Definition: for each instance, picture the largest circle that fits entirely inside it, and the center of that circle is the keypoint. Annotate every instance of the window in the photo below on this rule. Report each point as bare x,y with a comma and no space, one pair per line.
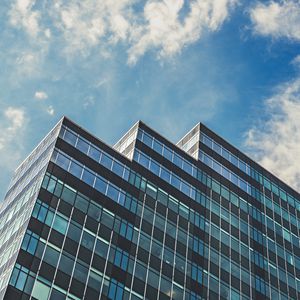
80,272
30,242
101,248
154,168
112,193
198,246
167,153
165,286
66,264
196,273
81,202
19,276
51,256
94,153
70,137
165,175
260,285
175,181
95,281
100,185
82,146
121,259
68,195
115,290
144,161
177,160
106,161
88,240
60,224
107,219
62,161
40,291
74,232
88,177
117,169
94,212
157,147
147,140
126,230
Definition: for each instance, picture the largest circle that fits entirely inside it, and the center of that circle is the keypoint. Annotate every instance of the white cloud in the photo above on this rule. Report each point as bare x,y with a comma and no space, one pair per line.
296,61
277,19
23,15
40,95
163,29
87,24
276,142
12,126
50,110
165,26
27,63
88,102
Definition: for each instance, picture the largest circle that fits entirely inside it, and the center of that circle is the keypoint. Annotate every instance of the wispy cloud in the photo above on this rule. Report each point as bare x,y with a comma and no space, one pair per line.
23,15
277,19
50,110
40,95
275,143
163,26
165,31
12,126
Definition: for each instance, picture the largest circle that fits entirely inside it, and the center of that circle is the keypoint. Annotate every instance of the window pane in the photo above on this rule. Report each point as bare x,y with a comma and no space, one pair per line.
60,224
87,240
68,195
81,203
74,232
80,272
82,146
51,256
40,291
66,264
94,212
100,185
101,248
88,177
75,169
106,161
70,137
94,153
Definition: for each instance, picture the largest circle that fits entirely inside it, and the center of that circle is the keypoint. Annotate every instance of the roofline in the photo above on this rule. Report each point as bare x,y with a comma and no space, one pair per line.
197,125
136,124
45,137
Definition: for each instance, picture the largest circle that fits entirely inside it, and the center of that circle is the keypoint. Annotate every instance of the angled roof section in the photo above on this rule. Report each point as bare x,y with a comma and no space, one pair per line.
190,141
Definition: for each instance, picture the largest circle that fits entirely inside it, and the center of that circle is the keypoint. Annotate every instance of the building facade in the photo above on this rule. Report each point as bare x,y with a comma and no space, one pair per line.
147,219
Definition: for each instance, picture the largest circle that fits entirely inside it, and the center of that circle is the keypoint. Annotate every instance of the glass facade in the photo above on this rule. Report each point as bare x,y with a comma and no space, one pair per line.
147,220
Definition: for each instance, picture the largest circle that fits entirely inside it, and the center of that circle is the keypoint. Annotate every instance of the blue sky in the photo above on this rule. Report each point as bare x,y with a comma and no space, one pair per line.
231,64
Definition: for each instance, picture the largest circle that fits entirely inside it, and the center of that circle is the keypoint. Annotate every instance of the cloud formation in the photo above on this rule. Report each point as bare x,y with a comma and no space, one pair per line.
275,143
15,119
40,95
165,26
277,19
167,32
50,110
23,15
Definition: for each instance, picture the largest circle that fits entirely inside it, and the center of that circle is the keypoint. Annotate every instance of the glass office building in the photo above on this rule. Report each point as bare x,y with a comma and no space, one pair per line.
147,219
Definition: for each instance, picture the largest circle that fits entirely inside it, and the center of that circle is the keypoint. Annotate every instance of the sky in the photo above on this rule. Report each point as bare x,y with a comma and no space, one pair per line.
232,64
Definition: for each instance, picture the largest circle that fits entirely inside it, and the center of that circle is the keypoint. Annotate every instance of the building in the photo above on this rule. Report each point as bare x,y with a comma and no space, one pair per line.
147,219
